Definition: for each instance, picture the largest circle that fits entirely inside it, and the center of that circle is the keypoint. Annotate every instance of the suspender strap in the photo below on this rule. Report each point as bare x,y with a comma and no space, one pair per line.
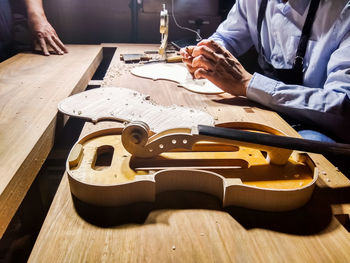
306,33
261,16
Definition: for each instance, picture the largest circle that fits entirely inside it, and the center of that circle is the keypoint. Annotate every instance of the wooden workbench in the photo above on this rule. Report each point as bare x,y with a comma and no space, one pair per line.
192,227
31,85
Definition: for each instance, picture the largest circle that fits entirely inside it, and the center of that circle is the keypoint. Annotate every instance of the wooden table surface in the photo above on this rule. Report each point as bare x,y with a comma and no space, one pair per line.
193,227
31,85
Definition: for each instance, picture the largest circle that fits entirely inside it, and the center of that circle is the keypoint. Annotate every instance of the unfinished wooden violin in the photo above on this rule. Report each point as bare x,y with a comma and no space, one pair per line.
121,166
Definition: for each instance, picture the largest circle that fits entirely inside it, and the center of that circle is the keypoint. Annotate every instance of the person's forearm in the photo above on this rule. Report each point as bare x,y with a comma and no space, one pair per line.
328,107
35,9
44,35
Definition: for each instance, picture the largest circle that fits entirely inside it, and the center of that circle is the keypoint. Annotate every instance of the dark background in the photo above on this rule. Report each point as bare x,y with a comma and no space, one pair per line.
121,21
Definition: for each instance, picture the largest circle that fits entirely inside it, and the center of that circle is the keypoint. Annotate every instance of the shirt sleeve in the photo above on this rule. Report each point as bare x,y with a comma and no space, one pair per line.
234,32
328,107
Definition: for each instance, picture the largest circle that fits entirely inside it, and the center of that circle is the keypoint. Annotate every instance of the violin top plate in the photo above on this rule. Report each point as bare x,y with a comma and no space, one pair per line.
176,72
126,105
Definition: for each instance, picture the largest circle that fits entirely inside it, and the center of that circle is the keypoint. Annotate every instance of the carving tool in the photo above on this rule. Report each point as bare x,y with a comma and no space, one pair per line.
134,58
172,59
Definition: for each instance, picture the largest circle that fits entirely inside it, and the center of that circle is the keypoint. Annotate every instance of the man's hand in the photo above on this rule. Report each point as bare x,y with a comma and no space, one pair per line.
187,58
211,61
45,36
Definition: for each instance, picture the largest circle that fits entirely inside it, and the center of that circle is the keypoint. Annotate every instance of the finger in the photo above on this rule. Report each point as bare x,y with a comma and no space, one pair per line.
216,48
203,74
60,44
210,44
203,62
52,43
219,49
206,52
187,60
187,51
203,42
188,63
191,69
43,47
184,53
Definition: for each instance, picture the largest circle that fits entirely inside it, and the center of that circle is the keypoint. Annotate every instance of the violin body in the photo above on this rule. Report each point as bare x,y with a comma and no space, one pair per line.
115,167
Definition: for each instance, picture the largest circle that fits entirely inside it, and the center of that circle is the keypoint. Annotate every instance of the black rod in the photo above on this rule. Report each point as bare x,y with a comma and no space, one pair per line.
276,140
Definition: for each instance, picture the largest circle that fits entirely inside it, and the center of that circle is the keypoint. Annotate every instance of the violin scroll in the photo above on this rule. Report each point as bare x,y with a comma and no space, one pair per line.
135,136
137,140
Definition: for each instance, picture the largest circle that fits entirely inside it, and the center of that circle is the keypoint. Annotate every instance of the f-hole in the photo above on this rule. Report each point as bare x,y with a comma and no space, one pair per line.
103,157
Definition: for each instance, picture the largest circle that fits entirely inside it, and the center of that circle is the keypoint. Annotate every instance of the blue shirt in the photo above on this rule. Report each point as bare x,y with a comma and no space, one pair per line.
324,98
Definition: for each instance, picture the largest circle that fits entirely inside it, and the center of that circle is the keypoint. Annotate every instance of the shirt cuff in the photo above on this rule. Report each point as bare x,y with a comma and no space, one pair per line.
261,89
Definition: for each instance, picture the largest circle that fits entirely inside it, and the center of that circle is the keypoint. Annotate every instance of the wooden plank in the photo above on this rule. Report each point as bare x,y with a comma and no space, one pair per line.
31,87
190,235
203,231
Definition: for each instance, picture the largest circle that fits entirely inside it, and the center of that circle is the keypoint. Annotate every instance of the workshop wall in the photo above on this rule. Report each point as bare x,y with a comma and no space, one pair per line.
90,21
103,21
203,15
